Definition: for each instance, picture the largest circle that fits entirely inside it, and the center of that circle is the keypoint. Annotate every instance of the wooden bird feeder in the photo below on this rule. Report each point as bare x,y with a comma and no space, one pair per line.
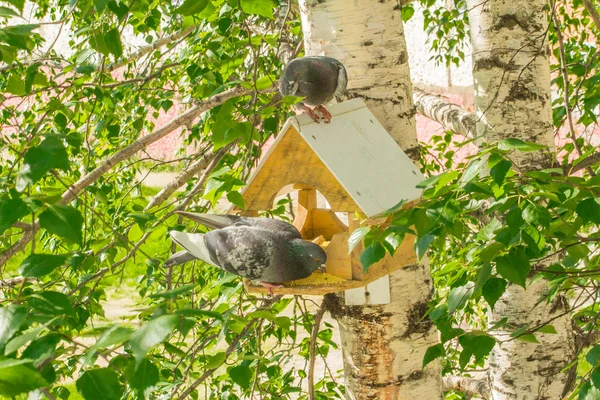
359,169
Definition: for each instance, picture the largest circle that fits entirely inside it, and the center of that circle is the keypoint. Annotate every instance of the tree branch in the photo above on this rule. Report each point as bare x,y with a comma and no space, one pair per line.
593,12
469,386
583,164
156,45
451,116
312,348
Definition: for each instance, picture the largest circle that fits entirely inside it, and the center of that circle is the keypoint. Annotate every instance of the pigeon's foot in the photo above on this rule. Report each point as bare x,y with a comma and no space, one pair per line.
270,286
311,113
326,114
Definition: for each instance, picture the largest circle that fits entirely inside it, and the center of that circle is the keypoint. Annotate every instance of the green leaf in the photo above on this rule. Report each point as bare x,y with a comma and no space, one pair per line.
459,296
472,170
112,39
64,221
16,85
16,343
547,329
432,353
407,12
17,3
518,144
488,232
141,218
356,237
492,290
423,244
120,10
482,277
424,184
498,171
259,7
241,375
99,384
515,266
174,293
142,377
41,349
116,334
12,317
50,154
528,337
537,216
265,81
371,255
51,303
236,198
578,251
17,379
589,211
477,345
8,12
588,392
11,210
595,377
38,265
100,5
191,7
593,355
151,334
215,361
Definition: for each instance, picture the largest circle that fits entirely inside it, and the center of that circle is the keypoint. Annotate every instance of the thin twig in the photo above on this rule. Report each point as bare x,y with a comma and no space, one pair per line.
591,9
565,76
312,355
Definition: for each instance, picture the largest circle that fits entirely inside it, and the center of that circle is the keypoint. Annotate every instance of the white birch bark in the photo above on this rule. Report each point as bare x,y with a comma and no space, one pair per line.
512,99
383,346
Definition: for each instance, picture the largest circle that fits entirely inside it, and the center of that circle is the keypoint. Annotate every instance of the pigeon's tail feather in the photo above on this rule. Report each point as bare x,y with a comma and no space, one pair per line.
193,243
212,221
179,258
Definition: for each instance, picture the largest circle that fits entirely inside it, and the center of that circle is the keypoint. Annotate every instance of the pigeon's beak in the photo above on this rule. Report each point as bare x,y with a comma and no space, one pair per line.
322,268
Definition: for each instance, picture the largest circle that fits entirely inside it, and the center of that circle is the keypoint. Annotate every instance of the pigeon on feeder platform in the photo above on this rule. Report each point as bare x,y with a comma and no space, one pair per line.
261,249
317,79
216,221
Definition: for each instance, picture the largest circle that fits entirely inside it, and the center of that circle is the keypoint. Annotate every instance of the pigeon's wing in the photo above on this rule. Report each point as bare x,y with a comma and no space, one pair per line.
195,244
179,258
342,81
212,221
275,225
250,252
217,221
342,76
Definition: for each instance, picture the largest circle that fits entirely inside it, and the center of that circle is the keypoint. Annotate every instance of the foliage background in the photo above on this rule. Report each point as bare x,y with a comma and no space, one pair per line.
76,220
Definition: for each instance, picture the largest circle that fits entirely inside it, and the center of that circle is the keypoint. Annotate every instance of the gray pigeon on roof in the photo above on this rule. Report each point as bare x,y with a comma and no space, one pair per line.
260,249
317,79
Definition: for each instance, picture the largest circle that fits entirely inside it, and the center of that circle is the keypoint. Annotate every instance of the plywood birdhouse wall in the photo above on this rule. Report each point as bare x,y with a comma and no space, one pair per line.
357,167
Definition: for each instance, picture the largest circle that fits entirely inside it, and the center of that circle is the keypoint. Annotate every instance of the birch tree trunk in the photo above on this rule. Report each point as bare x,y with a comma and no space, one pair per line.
512,100
383,346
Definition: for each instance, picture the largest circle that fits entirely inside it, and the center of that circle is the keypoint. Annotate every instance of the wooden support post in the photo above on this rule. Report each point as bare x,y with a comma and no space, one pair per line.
307,201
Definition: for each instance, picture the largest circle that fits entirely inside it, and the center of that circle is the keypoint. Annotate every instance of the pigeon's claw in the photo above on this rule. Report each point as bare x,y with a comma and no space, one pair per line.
326,114
270,287
311,113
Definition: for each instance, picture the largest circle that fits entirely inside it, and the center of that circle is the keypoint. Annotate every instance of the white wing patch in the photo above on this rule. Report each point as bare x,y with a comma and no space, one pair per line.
193,243
342,80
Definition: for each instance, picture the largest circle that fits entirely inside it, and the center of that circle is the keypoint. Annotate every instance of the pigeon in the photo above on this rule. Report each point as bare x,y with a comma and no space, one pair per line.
216,221
261,249
317,79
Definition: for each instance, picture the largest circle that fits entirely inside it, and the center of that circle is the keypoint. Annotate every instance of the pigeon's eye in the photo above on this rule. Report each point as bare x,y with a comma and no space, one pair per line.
297,73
